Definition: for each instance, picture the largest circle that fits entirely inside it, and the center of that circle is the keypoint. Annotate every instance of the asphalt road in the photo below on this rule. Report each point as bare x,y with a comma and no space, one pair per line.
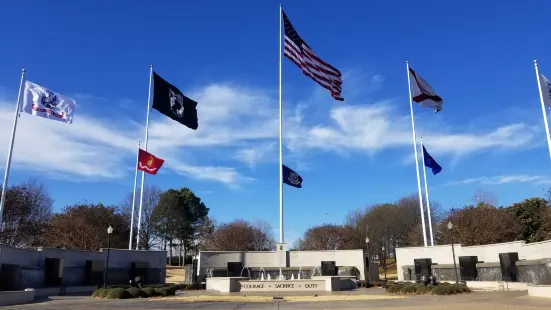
473,301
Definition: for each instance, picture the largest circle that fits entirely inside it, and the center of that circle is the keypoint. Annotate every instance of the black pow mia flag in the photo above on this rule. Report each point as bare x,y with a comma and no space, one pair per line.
170,101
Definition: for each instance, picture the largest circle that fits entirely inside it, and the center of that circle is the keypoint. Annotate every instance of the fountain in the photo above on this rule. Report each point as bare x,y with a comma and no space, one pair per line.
248,272
279,279
314,271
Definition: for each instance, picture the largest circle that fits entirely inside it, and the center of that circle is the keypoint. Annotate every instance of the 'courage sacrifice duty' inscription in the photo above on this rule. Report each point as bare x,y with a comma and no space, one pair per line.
281,286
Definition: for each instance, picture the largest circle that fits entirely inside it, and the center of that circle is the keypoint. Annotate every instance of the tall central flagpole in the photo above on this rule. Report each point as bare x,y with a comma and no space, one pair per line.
280,135
427,193
145,149
134,198
10,152
416,159
543,107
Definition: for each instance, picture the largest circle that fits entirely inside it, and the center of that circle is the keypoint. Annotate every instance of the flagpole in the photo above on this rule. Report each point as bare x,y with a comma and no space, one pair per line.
10,151
427,193
280,136
416,159
145,149
543,108
134,198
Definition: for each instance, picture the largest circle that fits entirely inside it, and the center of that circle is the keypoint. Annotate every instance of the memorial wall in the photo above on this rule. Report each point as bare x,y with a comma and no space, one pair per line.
49,267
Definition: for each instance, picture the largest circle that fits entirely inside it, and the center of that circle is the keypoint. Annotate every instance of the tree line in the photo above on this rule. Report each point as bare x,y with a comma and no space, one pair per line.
175,217
178,217
391,225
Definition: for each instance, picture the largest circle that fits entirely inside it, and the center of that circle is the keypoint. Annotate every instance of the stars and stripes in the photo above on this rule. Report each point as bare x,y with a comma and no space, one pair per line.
312,66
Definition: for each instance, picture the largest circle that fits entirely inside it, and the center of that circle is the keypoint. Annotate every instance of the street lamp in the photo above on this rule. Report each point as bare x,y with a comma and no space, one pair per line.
368,260
109,232
384,261
450,228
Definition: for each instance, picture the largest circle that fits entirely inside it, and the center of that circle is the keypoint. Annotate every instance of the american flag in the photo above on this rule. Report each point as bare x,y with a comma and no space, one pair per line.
312,66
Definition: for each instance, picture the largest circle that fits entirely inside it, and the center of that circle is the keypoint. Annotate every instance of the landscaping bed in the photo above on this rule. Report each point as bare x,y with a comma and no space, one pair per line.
126,292
420,289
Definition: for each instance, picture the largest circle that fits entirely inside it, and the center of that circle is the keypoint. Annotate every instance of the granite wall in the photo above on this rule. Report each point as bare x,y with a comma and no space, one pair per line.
534,271
530,254
32,265
215,262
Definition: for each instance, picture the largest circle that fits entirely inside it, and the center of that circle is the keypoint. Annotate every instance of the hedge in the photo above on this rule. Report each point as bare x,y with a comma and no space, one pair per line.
125,291
97,292
118,293
150,291
137,293
103,292
166,291
418,289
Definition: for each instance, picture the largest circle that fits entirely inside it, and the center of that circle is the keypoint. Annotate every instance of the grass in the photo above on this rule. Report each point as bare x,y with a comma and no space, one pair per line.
175,274
391,271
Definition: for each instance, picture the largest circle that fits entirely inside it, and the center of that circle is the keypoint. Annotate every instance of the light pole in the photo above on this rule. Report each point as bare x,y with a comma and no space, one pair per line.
450,228
109,232
368,260
384,261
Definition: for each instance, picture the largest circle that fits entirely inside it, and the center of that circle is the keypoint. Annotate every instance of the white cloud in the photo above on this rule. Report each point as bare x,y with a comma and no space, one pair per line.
505,179
251,156
237,125
93,148
370,128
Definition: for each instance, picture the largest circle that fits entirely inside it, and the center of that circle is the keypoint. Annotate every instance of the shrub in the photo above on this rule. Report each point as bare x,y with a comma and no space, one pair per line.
396,288
409,289
136,292
421,289
118,293
450,289
460,288
97,292
150,291
103,292
418,289
166,291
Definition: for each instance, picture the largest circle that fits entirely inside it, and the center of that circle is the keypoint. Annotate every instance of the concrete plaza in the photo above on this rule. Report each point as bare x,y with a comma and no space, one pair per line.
472,301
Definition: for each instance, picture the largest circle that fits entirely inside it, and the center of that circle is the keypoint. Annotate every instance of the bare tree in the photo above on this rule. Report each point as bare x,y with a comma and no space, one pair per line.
480,195
240,235
28,209
151,196
84,227
264,235
479,225
331,237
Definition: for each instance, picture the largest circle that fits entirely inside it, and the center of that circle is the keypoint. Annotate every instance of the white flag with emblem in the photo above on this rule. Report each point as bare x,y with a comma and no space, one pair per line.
545,90
42,102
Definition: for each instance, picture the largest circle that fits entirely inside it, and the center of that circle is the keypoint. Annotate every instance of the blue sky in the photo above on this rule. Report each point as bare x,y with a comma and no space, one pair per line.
477,55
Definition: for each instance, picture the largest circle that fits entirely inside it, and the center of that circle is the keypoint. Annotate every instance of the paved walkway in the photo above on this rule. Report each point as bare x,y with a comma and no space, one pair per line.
472,301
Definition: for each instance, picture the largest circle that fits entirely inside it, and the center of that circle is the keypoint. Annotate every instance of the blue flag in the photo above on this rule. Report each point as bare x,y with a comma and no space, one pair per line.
291,178
430,162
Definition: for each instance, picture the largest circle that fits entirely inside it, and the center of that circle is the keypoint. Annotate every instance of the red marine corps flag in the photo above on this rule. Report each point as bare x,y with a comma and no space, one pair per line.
149,163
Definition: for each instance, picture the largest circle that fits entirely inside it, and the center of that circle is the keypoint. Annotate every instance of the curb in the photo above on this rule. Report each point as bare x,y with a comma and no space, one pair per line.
206,298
